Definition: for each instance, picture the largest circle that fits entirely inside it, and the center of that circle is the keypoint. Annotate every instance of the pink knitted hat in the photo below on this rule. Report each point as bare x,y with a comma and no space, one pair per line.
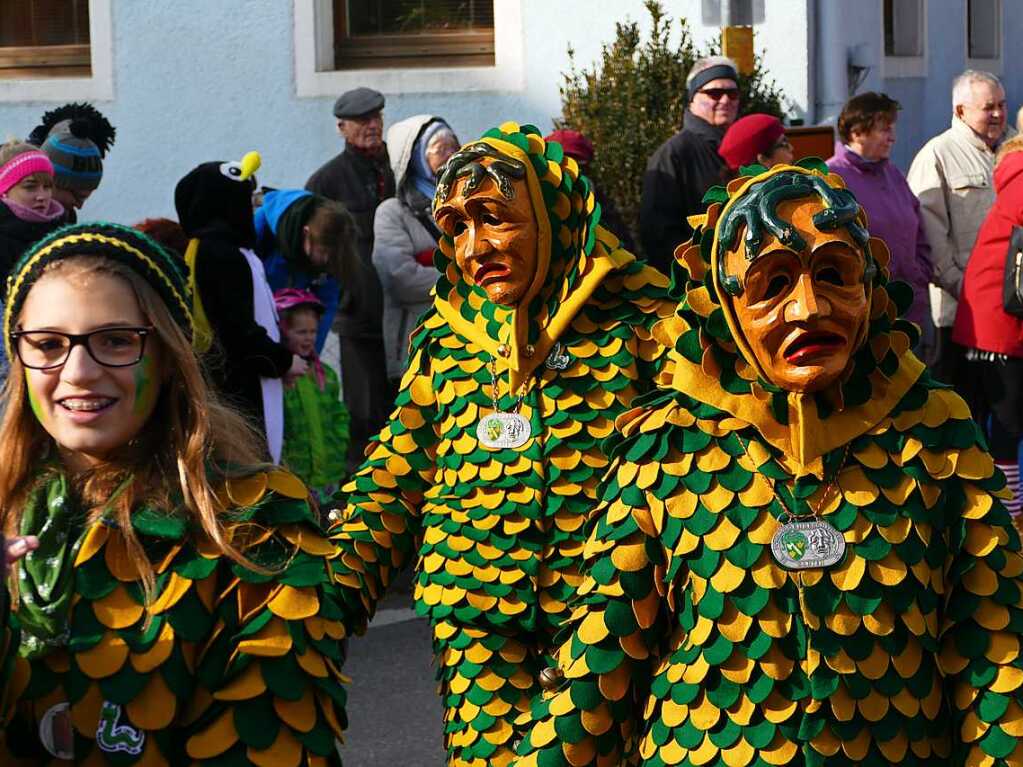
22,165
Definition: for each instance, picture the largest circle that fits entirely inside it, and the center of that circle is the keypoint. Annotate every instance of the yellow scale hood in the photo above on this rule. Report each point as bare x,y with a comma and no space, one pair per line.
806,436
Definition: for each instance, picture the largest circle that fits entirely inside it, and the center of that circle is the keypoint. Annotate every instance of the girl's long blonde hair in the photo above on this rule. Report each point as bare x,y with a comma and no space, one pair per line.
186,445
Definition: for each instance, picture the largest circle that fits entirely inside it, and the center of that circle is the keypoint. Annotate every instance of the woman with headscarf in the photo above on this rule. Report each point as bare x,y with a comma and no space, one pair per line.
404,233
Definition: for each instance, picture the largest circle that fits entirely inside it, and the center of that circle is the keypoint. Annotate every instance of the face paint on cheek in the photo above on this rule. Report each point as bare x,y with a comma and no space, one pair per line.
33,400
146,386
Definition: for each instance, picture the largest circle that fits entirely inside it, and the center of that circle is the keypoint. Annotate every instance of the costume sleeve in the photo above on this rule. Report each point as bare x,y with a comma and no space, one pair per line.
617,624
924,264
8,649
980,638
662,216
329,293
338,417
927,180
408,281
272,671
225,285
376,532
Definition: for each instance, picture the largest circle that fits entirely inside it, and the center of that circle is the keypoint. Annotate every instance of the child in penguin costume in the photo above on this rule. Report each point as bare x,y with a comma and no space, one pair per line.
237,330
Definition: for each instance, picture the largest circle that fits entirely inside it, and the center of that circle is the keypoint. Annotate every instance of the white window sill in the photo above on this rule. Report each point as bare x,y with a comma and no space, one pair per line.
904,66
98,87
994,66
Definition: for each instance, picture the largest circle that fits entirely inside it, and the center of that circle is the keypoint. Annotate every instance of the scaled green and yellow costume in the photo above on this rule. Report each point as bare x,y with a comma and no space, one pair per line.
498,533
228,666
691,646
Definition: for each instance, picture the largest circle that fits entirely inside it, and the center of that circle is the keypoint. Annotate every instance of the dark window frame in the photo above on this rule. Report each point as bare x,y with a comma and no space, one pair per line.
996,32
890,19
68,59
469,48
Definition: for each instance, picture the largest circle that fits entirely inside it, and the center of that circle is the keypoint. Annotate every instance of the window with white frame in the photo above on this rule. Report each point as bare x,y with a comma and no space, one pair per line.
408,46
903,28
44,38
904,38
983,29
56,50
373,34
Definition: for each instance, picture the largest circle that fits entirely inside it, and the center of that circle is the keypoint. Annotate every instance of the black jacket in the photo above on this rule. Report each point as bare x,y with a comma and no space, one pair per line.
242,352
361,183
612,220
677,176
17,236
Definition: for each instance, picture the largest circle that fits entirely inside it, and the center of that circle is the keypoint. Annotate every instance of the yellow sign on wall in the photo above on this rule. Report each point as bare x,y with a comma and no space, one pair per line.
737,44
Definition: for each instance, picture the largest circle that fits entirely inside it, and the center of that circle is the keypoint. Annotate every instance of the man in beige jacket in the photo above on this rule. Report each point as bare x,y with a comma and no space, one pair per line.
951,175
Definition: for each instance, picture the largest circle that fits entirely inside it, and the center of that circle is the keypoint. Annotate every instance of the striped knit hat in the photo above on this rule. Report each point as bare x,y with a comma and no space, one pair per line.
165,272
77,161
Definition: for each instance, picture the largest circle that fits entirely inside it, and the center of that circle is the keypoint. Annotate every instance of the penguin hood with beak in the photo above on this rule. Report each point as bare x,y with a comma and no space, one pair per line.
218,195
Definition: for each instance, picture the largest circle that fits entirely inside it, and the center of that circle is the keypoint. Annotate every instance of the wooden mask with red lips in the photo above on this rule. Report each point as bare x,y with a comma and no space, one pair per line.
489,215
794,278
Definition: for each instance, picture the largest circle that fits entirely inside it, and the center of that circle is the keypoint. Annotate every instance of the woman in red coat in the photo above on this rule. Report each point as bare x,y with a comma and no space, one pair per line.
992,381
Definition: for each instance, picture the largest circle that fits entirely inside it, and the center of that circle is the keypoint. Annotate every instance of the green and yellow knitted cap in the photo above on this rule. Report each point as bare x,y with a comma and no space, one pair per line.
166,273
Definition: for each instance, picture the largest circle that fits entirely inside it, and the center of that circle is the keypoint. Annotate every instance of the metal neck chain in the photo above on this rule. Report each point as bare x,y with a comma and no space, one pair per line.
495,395
787,514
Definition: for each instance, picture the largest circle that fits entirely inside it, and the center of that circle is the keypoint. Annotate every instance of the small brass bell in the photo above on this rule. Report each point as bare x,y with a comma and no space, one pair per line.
504,350
530,350
551,678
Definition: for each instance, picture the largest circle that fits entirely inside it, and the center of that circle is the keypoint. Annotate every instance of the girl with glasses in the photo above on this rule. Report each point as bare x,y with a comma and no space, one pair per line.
177,608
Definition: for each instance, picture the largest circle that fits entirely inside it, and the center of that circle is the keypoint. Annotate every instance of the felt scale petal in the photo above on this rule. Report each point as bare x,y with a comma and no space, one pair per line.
156,707
214,739
118,610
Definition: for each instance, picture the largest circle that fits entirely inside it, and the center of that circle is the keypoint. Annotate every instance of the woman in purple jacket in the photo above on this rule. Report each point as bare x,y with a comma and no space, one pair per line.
866,130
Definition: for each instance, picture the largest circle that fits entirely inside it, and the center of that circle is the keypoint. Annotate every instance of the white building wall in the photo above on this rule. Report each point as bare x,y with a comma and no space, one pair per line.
922,86
195,80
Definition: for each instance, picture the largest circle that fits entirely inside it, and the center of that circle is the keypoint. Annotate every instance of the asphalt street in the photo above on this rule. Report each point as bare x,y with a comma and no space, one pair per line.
394,713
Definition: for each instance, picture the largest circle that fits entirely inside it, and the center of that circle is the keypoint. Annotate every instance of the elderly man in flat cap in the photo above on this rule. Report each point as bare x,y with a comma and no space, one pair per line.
361,178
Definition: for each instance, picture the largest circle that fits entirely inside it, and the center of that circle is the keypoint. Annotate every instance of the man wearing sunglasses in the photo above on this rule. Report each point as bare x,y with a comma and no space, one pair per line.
685,166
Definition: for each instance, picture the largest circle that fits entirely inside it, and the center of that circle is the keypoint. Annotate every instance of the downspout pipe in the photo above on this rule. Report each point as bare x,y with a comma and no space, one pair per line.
830,67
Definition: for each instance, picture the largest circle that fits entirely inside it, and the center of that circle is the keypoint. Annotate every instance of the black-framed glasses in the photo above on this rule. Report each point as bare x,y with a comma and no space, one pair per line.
719,93
111,347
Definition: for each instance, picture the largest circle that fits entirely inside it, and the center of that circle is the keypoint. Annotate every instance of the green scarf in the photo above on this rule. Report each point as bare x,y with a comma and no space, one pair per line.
46,575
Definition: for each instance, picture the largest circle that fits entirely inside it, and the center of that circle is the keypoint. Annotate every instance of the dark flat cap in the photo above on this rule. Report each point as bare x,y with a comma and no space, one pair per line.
358,102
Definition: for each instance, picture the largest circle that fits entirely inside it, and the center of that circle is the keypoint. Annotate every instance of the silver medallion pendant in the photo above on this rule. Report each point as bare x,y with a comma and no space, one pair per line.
501,430
56,732
813,544
558,359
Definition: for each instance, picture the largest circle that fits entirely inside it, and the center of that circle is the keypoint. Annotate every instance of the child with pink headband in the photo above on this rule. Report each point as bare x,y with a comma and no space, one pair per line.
28,211
316,421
